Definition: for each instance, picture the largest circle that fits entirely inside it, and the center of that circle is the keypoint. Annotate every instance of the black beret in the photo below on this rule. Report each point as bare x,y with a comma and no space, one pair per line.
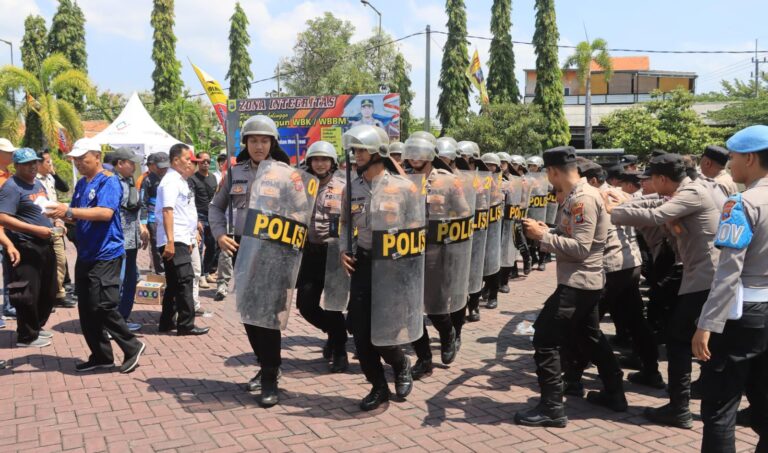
646,174
615,171
559,156
668,164
628,159
717,153
658,152
631,176
587,166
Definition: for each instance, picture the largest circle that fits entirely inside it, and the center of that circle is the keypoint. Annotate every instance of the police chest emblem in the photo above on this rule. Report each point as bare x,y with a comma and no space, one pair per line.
91,194
237,189
577,212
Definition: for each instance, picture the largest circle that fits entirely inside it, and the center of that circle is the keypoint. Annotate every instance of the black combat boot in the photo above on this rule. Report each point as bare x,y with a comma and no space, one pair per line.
340,363
615,401
379,394
549,413
448,348
421,369
676,415
651,379
269,393
403,379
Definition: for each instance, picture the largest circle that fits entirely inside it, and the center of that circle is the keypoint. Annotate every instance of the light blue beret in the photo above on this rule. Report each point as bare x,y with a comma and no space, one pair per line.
749,140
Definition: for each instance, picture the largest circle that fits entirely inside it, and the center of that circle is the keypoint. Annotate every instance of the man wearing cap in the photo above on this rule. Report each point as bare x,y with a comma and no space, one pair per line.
366,114
629,182
176,233
713,163
136,235
691,217
29,244
570,314
629,162
6,156
732,334
157,165
95,210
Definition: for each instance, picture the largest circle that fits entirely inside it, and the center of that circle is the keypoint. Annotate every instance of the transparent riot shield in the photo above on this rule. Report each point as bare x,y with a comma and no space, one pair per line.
279,208
336,285
537,202
450,214
513,214
492,259
551,207
398,222
482,182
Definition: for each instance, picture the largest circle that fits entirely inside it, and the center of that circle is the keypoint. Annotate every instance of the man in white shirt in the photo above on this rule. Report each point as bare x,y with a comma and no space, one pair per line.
176,229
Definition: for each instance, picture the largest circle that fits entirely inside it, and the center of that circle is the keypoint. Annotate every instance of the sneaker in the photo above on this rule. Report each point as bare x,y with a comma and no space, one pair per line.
40,342
504,289
134,326
91,365
210,278
2,323
45,334
130,363
203,283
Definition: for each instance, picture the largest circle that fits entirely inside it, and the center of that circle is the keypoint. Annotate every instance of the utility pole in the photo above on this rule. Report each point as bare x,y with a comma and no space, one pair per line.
278,79
426,88
13,95
757,63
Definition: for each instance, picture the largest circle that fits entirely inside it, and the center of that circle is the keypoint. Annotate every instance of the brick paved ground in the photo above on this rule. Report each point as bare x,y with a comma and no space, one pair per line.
187,396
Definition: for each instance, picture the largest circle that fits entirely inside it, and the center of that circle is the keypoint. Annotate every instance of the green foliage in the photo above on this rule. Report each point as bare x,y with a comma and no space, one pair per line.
585,54
239,74
104,106
513,128
417,124
742,113
34,43
453,103
502,84
192,121
67,37
549,85
167,74
666,122
63,168
401,83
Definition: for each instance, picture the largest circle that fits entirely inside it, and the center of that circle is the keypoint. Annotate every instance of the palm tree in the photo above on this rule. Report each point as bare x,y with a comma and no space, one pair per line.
181,118
44,89
585,54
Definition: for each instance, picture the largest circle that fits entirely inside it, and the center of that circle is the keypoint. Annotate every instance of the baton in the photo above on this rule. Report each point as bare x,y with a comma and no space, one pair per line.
348,226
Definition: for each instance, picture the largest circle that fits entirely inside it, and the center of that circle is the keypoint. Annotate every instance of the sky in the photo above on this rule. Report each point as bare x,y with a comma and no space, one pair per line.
119,36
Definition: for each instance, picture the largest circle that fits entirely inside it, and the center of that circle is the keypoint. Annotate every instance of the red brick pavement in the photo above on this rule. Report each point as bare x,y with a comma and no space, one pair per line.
186,396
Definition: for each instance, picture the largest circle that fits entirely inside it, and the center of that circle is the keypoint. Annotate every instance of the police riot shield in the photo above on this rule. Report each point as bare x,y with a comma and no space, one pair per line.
482,182
336,286
398,221
537,201
450,214
492,259
551,207
268,260
513,214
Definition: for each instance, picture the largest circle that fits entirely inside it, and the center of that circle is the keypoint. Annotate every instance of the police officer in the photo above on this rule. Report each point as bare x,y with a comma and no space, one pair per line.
518,168
691,218
570,314
732,334
506,272
321,162
493,244
535,164
448,151
372,155
421,156
259,136
713,163
396,151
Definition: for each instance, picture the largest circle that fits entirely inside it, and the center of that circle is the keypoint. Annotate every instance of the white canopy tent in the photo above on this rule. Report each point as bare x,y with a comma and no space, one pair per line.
134,128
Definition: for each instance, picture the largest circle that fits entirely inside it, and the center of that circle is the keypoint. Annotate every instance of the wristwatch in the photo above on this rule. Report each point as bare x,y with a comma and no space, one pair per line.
68,215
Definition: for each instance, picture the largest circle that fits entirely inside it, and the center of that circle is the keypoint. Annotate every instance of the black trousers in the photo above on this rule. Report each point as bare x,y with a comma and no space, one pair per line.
154,251
682,326
98,293
443,324
621,297
32,288
359,325
209,253
179,278
492,285
739,365
474,301
310,284
569,319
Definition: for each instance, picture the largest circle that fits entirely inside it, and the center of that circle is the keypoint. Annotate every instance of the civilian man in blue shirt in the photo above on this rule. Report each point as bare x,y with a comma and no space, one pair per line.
95,209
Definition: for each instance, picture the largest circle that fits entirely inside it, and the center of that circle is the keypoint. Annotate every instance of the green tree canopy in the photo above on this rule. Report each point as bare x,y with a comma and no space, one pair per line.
239,74
401,83
513,128
67,37
167,74
453,103
34,49
192,121
502,84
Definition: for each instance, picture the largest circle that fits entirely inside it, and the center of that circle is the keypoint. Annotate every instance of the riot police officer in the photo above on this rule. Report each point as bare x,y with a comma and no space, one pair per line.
448,151
518,167
259,138
492,265
373,161
324,227
535,164
732,334
396,151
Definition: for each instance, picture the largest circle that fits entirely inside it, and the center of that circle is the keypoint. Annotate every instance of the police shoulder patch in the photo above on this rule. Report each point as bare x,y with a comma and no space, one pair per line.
734,230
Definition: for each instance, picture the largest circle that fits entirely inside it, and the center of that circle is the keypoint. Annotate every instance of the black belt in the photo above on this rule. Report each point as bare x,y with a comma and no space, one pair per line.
315,248
363,253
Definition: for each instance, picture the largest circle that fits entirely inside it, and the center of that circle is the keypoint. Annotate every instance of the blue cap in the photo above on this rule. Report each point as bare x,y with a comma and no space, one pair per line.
24,155
749,140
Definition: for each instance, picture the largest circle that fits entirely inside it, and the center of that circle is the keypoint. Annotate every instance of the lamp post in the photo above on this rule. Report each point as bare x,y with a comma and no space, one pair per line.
378,48
13,95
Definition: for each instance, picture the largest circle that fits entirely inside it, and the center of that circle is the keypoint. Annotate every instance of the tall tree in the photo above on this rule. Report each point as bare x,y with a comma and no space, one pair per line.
587,53
549,84
453,103
502,84
401,83
67,37
34,49
167,74
239,73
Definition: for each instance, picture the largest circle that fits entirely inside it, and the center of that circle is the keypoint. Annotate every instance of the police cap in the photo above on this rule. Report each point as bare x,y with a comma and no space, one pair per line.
669,164
562,155
717,154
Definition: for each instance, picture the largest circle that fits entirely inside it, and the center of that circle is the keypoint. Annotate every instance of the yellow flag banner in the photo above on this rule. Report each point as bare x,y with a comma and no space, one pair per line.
475,74
215,94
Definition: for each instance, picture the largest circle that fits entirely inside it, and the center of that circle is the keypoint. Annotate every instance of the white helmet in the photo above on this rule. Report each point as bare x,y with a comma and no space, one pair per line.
447,147
396,148
504,157
476,153
467,148
259,125
424,135
322,149
491,158
517,159
417,148
366,137
535,160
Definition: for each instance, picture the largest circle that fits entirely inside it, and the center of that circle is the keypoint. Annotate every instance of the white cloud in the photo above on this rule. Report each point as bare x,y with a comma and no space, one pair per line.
12,26
129,20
